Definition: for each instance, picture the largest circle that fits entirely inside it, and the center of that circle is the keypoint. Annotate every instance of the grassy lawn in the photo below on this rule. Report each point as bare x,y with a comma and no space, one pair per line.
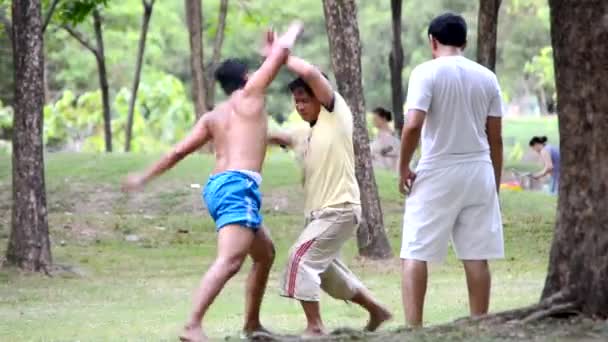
141,290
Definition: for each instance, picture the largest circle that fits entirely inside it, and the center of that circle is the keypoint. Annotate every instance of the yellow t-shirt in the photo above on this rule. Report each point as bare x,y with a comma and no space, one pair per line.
329,160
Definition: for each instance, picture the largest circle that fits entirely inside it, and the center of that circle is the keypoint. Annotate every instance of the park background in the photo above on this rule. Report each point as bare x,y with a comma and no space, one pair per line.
131,262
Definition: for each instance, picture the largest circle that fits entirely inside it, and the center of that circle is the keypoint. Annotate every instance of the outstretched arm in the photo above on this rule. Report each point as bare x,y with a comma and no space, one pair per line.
314,78
261,78
199,135
280,139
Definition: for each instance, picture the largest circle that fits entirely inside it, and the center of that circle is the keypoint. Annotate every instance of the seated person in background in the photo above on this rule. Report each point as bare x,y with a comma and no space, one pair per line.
385,148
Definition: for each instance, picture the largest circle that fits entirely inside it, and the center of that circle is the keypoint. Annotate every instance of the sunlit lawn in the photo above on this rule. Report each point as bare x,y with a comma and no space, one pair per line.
141,290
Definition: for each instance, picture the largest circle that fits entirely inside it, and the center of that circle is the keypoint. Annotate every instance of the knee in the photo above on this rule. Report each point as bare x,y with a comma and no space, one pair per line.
231,264
267,256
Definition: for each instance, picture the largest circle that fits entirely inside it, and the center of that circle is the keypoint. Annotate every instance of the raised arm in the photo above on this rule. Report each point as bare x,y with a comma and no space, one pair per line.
199,135
314,78
276,56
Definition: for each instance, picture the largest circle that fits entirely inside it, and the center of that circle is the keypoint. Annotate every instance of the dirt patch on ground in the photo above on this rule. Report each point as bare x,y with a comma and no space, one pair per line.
576,329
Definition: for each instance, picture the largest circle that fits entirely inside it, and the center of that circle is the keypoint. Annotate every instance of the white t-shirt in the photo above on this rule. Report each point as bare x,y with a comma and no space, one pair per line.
458,95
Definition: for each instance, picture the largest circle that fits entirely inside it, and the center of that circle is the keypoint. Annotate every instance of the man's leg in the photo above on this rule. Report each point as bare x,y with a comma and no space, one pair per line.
479,282
341,283
233,244
378,314
262,252
413,290
314,323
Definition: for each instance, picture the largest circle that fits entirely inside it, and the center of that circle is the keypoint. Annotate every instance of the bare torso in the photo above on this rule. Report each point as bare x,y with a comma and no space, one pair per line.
239,128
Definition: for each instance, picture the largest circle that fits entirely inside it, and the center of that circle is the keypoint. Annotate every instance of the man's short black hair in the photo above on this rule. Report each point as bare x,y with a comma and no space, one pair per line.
299,83
232,75
449,29
383,113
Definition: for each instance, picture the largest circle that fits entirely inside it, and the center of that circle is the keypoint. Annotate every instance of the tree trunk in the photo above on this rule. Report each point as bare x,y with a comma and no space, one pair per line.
148,6
345,48
215,57
396,66
29,243
487,29
541,97
103,80
194,18
579,254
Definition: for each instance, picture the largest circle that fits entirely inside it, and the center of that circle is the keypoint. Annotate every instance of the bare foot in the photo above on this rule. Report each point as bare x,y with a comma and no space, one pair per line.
258,331
192,333
313,332
377,318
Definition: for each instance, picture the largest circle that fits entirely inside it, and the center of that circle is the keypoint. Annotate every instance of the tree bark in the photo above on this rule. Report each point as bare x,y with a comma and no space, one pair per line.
29,243
218,42
345,48
396,66
541,97
148,6
487,29
578,261
100,56
194,18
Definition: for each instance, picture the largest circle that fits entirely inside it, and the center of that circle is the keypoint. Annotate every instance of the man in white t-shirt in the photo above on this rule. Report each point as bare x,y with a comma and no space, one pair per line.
454,106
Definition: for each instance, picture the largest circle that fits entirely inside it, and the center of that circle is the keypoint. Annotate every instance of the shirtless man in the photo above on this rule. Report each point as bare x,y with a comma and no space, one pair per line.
238,129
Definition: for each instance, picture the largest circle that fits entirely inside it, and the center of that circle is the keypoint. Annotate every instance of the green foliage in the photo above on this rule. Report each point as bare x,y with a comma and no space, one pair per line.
162,116
76,11
71,120
6,117
6,128
523,61
540,68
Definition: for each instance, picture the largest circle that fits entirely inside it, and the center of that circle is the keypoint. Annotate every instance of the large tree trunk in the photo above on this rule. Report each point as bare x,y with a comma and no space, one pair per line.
396,66
194,18
345,48
215,57
103,80
487,29
578,262
148,6
29,244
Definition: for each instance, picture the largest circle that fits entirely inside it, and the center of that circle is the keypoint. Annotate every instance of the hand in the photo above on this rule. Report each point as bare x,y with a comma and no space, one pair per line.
288,38
385,151
133,182
406,180
269,38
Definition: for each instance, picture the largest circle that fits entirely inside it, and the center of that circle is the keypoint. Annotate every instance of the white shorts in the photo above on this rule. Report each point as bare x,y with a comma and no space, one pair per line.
458,202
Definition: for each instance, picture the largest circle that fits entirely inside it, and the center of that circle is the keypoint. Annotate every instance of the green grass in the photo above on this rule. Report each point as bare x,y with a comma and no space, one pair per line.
521,130
141,291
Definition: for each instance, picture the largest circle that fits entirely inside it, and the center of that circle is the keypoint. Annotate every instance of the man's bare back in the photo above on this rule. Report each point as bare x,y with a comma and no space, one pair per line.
238,127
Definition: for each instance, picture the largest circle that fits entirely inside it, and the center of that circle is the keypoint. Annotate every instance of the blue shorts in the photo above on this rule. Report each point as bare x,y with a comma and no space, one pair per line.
234,197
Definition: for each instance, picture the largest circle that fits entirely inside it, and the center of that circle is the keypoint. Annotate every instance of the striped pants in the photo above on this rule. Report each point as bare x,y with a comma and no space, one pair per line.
313,260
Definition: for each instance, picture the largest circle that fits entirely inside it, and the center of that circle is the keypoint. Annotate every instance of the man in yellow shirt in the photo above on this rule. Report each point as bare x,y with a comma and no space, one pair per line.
332,205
